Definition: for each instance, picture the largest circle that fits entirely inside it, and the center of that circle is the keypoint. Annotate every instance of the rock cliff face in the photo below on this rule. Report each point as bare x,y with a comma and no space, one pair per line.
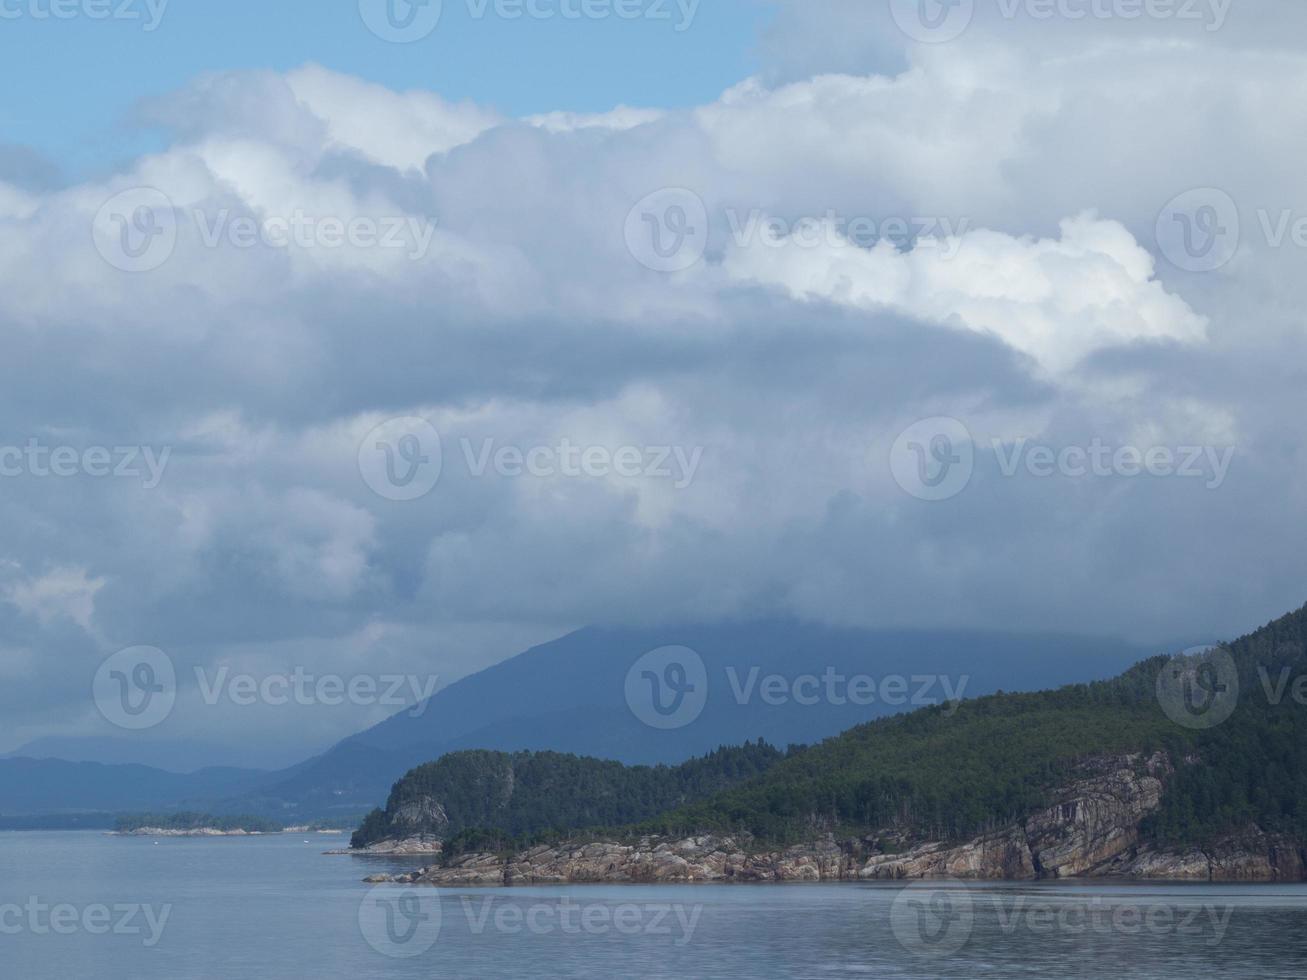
1092,830
419,844
424,813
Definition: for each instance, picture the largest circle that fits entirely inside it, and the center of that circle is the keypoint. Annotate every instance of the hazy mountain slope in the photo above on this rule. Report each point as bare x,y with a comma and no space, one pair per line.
169,754
569,696
1061,775
48,786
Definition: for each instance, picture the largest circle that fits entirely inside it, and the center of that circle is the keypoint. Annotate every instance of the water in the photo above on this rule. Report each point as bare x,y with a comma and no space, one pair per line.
277,908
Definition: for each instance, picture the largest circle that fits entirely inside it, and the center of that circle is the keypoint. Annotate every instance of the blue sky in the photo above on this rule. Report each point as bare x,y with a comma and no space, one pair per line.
72,83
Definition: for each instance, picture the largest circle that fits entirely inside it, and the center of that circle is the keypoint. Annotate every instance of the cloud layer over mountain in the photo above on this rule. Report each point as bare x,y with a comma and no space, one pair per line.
692,409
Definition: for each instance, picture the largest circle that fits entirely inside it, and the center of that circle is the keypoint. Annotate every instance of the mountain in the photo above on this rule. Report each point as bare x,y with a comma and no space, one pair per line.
169,754
53,786
1191,767
570,696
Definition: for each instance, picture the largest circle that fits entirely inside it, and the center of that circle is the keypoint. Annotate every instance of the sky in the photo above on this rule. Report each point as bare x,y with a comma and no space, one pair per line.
335,354
78,78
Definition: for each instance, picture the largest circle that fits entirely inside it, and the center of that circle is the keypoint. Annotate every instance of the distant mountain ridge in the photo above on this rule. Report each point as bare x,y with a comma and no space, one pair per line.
169,754
1190,768
569,696
53,786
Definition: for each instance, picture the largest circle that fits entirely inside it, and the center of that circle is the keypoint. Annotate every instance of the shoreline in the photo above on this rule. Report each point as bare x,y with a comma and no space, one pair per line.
1091,828
215,832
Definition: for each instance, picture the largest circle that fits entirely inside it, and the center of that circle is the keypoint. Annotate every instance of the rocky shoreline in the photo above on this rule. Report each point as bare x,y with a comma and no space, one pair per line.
1091,831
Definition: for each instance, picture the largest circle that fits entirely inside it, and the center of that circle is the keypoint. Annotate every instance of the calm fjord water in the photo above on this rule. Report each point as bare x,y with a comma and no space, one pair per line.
87,905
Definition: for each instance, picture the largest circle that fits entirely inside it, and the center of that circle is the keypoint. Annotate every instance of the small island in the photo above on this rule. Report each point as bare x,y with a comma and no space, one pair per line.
206,825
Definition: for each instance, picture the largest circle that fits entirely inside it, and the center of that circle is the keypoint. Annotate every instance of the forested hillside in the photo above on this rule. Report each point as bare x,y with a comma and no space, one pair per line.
525,793
941,773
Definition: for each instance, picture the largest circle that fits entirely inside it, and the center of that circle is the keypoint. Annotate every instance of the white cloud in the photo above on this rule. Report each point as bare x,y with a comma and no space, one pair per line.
61,593
623,117
395,129
1055,300
1051,314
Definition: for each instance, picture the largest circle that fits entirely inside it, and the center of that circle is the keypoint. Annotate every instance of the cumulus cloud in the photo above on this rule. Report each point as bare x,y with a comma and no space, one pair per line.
1055,300
246,321
61,593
